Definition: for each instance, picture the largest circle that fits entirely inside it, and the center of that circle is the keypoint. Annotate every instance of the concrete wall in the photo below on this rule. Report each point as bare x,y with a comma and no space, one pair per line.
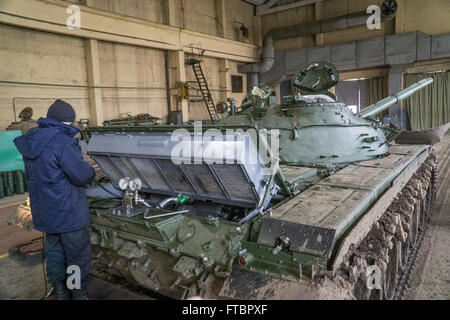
33,57
430,17
132,79
195,15
138,77
335,8
286,18
238,96
211,69
142,9
239,12
200,15
323,10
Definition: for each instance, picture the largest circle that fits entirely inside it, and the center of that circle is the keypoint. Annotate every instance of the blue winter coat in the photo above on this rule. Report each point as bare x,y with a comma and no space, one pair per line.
56,174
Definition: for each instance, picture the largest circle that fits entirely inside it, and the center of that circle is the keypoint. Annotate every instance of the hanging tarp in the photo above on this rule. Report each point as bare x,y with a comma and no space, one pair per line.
10,158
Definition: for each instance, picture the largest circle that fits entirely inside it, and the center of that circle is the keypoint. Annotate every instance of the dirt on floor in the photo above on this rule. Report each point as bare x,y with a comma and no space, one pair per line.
18,280
24,279
11,235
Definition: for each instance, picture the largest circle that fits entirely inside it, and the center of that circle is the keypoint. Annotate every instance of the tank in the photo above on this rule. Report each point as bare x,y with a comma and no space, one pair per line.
303,200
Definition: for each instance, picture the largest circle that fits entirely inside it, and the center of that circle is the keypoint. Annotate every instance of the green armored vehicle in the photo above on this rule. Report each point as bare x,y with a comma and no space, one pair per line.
303,200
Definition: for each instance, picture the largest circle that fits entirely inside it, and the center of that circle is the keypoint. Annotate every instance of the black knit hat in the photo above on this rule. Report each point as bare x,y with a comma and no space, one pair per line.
61,111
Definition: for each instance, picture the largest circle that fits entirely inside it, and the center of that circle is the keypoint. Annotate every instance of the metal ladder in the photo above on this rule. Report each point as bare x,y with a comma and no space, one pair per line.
203,86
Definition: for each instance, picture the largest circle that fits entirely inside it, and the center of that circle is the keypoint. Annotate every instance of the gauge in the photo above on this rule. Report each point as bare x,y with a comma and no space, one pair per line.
135,184
138,183
123,183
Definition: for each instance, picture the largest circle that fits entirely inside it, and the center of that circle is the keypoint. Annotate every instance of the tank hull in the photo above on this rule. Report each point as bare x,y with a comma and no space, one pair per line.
331,226
341,204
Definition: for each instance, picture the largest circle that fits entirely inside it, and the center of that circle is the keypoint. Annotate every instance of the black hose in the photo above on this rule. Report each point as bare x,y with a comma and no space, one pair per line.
46,293
98,200
103,207
106,190
115,197
153,204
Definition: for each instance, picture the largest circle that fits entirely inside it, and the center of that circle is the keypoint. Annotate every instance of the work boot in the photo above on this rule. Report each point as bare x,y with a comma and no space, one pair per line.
79,294
61,291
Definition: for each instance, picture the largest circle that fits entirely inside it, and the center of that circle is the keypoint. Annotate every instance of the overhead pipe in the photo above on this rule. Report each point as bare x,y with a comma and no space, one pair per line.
256,2
266,63
327,25
388,10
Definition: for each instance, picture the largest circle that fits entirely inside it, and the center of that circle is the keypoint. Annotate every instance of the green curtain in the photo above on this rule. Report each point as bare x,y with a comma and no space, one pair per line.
430,107
378,90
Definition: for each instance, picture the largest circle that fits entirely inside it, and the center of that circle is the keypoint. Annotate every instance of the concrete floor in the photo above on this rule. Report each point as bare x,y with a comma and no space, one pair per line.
17,280
21,281
430,277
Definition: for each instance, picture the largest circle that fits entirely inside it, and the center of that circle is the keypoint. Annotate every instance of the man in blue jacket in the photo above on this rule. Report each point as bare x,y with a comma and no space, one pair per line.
57,174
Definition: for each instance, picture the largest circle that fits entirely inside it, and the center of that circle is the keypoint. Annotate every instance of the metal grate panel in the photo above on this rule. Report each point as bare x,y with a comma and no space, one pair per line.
147,156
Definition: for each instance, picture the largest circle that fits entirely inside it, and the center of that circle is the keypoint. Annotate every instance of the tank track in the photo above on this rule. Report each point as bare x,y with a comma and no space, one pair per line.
394,240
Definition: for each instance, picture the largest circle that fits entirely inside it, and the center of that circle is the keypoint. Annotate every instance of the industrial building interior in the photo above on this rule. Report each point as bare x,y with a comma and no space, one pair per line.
359,91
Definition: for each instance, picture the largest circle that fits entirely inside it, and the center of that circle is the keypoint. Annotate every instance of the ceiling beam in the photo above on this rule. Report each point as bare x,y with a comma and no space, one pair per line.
51,16
270,7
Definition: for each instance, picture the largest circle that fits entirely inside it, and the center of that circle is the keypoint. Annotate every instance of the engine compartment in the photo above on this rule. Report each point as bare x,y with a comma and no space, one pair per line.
153,173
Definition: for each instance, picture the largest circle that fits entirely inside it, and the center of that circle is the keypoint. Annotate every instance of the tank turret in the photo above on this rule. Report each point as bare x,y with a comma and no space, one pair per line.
314,128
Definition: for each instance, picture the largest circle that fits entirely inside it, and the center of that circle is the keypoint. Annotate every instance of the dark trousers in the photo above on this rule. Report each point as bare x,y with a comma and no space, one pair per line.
66,249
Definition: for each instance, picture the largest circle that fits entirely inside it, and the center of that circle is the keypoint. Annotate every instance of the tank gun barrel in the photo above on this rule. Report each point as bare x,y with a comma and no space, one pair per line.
395,98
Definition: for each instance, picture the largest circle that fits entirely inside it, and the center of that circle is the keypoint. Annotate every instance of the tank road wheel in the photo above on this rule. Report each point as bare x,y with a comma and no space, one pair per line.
434,180
414,231
422,207
403,237
361,292
428,201
405,246
376,294
392,240
430,177
405,250
391,273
